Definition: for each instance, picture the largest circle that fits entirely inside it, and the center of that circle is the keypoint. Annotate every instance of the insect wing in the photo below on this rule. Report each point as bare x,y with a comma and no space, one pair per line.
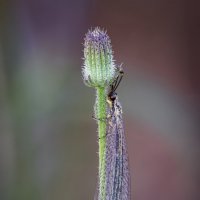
117,171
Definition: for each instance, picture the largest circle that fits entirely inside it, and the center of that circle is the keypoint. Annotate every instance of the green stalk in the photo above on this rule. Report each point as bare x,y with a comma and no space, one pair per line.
101,119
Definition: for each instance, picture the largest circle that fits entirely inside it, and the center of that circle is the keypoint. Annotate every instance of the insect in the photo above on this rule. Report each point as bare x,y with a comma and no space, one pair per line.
117,170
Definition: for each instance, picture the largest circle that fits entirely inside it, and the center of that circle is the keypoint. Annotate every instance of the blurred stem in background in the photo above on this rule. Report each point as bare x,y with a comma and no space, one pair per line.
18,156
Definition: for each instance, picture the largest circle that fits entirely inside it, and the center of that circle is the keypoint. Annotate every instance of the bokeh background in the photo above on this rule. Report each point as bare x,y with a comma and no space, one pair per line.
48,139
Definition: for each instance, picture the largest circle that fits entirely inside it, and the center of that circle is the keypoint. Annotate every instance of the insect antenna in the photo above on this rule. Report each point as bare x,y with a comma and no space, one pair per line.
117,81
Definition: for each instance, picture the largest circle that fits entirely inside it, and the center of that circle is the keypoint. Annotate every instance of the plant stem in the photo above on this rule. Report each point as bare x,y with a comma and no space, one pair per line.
101,119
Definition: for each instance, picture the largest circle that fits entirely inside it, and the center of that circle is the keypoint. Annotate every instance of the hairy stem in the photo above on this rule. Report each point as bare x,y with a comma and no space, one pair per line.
101,116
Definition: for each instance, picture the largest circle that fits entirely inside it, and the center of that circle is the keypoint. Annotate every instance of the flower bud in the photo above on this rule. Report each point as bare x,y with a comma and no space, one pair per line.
99,69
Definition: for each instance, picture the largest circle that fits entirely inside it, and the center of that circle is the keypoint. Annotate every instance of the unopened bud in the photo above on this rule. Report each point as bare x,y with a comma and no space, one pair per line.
99,68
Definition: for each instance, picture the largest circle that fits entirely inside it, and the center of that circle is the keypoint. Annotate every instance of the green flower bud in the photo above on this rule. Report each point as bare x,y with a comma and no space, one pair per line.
99,68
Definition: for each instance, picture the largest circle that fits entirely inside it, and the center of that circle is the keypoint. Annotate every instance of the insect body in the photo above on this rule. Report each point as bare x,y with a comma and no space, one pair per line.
117,171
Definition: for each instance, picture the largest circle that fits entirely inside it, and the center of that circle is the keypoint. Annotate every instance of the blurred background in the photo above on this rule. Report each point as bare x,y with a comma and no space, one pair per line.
48,139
